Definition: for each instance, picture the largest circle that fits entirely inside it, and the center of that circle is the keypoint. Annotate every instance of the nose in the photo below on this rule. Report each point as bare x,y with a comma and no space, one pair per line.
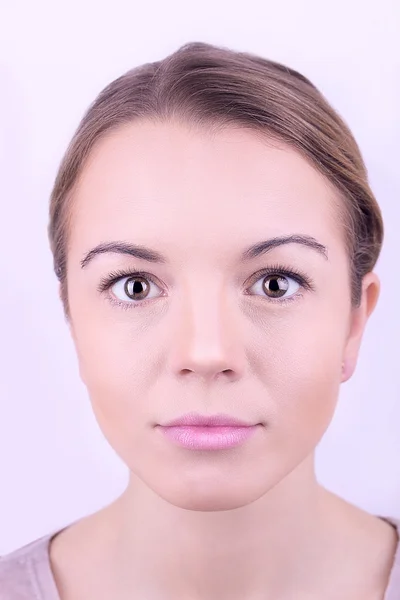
205,336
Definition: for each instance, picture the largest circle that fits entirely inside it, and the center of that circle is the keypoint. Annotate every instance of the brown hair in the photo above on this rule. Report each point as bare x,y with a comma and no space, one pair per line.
210,85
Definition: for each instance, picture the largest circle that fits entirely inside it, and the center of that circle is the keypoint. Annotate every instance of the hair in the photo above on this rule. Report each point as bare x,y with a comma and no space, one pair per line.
205,85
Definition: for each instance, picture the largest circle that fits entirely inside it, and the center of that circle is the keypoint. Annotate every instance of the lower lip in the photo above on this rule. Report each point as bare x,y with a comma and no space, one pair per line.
208,438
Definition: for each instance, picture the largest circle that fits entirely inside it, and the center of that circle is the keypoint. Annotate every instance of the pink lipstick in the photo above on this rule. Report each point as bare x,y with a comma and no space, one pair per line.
208,432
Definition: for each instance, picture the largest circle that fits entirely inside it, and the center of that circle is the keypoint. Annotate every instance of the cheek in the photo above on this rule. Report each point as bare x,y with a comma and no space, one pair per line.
306,405
112,345
116,375
303,380
116,363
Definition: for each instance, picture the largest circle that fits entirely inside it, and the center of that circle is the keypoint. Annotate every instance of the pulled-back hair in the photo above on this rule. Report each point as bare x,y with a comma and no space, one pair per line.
214,86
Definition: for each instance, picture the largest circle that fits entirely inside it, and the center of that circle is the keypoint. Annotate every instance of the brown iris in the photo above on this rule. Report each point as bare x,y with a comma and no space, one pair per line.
276,286
136,288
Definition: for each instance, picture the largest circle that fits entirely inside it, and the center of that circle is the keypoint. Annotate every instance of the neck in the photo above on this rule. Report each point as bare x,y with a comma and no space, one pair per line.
292,542
229,554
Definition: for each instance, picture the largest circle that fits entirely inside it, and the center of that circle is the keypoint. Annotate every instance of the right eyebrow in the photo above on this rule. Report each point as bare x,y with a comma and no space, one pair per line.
153,256
135,250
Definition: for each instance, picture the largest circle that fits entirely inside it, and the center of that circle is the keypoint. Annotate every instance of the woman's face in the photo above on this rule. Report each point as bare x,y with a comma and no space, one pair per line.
208,331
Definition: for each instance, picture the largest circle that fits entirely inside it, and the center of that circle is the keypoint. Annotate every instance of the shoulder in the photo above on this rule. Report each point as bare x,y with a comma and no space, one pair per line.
393,589
23,572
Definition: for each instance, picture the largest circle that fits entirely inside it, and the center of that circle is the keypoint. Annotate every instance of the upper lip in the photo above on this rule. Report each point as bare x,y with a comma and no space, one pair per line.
196,419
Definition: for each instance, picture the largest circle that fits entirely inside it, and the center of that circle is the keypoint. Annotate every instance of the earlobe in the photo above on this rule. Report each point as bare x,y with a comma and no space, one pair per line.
358,321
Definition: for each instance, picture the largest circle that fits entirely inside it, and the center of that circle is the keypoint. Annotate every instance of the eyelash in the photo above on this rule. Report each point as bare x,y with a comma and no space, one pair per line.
278,269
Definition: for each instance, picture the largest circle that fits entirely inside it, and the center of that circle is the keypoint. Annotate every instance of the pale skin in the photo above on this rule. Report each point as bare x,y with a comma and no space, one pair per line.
246,523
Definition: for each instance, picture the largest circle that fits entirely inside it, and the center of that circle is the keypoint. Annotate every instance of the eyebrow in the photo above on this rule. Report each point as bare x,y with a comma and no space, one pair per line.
253,251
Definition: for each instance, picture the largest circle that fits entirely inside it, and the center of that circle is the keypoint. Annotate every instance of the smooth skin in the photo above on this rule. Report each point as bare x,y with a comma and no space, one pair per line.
250,522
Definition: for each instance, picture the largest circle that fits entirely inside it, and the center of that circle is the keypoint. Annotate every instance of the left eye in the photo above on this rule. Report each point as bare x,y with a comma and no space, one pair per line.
276,285
133,288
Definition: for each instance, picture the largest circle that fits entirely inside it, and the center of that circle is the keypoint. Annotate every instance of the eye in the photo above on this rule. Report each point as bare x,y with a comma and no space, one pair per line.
134,288
276,286
277,283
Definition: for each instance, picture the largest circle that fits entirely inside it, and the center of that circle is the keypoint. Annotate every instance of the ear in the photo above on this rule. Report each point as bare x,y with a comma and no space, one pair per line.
358,320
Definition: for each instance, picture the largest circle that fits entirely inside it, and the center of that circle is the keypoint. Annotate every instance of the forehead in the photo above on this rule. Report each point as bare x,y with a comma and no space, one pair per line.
171,182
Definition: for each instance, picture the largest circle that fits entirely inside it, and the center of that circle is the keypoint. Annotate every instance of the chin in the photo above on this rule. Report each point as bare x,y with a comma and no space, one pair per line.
208,495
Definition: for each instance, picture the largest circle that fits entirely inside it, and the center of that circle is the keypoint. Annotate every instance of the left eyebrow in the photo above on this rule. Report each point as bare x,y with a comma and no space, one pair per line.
153,256
267,245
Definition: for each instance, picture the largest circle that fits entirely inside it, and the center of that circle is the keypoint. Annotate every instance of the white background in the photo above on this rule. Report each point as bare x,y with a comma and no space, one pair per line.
55,57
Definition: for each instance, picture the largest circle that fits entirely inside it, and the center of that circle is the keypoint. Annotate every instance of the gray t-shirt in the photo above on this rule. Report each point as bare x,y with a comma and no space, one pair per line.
26,574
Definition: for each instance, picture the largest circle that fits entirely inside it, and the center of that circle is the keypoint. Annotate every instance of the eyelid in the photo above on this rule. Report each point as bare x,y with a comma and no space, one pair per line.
112,278
279,269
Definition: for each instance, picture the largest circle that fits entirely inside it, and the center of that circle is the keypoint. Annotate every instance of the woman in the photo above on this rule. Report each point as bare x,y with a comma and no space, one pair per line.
214,236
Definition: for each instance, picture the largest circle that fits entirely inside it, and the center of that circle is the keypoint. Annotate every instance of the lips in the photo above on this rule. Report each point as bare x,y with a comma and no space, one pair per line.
208,432
198,420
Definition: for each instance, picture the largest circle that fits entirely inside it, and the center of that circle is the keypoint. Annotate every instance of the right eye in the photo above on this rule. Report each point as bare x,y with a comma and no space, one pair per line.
133,289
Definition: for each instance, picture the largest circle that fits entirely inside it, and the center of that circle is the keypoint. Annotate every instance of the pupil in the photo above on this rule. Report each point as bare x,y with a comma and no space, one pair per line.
274,286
